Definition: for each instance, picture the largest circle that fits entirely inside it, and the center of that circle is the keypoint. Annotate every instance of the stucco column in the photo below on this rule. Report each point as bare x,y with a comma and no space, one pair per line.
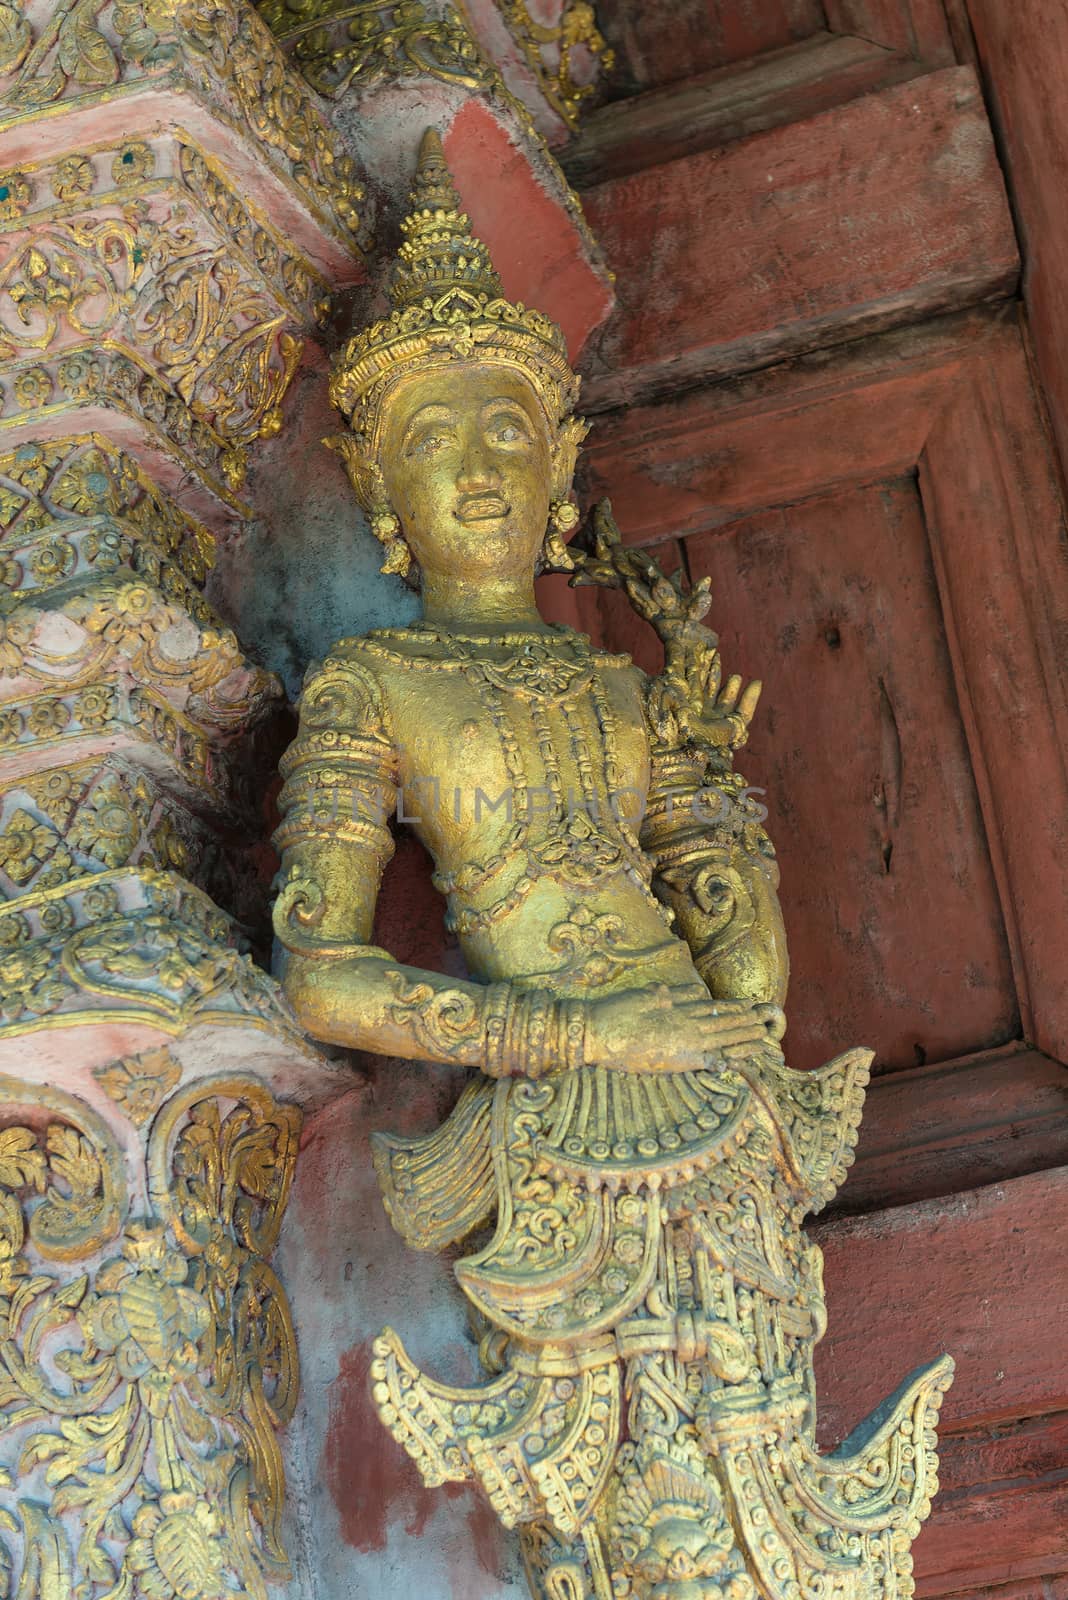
174,211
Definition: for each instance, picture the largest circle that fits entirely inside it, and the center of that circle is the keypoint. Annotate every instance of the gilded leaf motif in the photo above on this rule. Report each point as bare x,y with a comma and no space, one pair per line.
84,53
15,38
162,1349
22,1162
74,1160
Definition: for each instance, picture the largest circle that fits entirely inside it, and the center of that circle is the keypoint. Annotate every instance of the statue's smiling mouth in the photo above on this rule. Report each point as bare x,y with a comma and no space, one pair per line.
481,508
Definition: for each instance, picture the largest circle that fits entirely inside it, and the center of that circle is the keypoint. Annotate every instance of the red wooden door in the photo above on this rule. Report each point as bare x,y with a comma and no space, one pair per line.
820,390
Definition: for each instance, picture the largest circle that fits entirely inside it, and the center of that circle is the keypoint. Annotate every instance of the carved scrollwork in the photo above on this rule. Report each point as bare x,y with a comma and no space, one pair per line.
554,53
89,375
140,1398
211,331
336,44
124,623
91,45
143,945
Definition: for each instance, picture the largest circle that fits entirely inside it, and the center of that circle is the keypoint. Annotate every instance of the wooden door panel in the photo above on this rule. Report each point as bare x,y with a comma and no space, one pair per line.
972,564
663,41
868,216
896,935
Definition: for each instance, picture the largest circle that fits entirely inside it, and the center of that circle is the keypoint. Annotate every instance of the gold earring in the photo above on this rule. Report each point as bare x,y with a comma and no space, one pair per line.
564,515
385,525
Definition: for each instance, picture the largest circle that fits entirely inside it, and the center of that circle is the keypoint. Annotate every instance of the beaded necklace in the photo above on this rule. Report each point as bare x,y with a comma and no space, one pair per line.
576,845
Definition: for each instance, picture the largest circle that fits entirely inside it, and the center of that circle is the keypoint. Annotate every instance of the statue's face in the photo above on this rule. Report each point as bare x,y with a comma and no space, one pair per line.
467,458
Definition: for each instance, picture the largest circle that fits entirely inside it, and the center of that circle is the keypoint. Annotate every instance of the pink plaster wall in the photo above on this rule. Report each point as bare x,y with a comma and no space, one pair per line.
364,1523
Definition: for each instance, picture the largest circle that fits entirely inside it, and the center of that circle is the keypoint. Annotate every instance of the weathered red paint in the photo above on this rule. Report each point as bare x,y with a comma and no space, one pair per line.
1002,1509
771,438
937,1130
1023,54
978,1274
663,41
543,261
718,107
372,1482
410,915
912,27
490,1546
882,211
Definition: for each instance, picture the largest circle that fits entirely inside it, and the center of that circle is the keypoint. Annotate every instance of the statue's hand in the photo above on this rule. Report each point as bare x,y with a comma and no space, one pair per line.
661,1029
712,715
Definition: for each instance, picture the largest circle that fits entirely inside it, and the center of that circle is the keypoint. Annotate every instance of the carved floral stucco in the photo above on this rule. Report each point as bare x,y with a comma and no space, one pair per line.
175,211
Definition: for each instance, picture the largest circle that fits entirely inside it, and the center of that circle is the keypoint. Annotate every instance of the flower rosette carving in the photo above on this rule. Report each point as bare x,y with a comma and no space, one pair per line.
115,623
29,984
63,823
110,516
113,377
139,1084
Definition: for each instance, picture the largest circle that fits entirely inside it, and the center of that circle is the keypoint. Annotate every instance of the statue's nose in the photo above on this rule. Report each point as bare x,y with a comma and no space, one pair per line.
478,470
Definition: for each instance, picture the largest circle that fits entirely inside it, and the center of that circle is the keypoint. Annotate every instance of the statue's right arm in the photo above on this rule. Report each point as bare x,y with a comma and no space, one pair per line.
339,794
340,790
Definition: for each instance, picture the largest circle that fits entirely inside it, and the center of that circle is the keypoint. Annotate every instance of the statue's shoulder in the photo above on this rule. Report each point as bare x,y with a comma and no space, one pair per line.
347,658
345,690
619,667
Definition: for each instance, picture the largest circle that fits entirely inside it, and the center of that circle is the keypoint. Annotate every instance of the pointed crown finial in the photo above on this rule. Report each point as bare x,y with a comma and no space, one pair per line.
439,250
448,305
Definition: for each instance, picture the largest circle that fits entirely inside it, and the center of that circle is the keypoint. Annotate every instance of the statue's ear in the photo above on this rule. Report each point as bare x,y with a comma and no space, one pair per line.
565,453
365,475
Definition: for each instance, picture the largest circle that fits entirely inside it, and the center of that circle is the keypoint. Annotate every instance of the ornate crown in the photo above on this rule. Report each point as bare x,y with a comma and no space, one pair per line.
448,306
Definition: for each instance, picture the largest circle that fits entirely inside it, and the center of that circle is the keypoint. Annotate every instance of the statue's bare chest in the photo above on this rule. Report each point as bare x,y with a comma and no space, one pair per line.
525,727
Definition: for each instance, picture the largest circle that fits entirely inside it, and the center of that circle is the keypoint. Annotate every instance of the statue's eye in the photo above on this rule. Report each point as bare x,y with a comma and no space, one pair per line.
426,443
508,430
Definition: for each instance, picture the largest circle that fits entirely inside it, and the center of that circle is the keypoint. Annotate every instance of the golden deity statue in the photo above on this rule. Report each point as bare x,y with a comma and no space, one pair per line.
647,1299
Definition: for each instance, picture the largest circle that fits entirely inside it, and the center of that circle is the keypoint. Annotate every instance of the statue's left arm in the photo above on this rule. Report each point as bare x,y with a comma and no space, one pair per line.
715,865
715,868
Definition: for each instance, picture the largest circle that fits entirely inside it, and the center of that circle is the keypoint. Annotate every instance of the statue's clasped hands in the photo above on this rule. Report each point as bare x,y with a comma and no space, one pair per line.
671,1029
